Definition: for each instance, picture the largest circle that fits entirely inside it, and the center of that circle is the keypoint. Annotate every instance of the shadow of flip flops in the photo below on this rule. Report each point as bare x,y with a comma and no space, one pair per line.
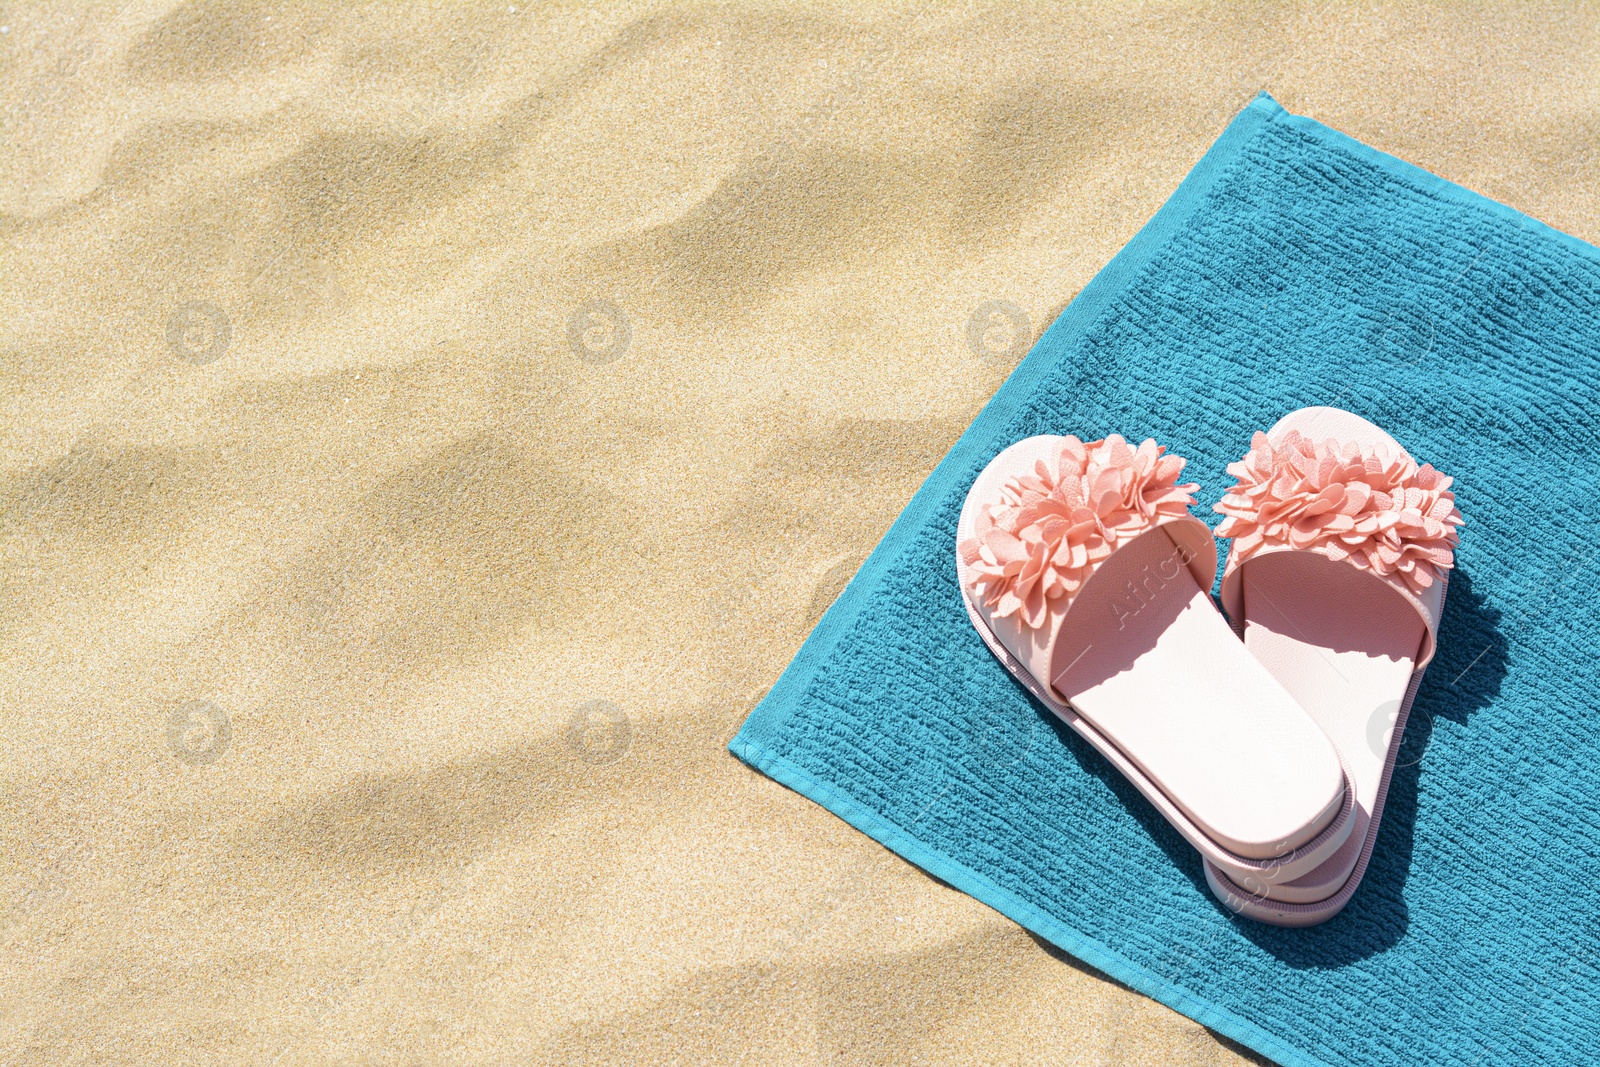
1465,676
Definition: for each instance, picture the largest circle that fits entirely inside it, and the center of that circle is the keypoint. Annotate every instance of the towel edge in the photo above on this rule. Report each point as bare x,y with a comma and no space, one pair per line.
990,894
1426,181
1074,321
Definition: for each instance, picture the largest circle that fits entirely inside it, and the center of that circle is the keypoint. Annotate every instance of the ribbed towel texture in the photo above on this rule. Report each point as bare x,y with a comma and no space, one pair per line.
1294,266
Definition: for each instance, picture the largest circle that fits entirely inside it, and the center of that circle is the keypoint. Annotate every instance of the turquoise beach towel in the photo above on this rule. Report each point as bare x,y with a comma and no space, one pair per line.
1293,266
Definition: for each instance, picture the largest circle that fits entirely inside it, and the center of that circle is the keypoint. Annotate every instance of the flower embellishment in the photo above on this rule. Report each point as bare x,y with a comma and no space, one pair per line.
1388,516
1044,537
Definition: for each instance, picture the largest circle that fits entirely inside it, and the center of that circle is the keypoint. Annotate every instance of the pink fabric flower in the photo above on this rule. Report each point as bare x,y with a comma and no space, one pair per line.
1388,516
1043,538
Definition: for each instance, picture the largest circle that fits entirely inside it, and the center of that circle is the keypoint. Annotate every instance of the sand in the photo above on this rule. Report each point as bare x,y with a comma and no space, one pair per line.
428,430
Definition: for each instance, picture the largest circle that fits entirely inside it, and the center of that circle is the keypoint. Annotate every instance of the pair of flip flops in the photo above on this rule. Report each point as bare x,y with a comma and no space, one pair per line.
1267,742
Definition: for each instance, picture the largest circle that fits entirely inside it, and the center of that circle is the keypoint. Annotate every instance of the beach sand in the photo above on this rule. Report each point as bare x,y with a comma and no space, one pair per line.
429,429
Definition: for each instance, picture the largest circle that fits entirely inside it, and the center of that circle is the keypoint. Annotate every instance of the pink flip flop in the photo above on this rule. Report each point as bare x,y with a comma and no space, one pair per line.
1342,547
1085,574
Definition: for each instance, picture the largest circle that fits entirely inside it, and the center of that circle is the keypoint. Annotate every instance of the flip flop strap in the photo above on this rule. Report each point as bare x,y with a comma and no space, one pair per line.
1350,503
1050,527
